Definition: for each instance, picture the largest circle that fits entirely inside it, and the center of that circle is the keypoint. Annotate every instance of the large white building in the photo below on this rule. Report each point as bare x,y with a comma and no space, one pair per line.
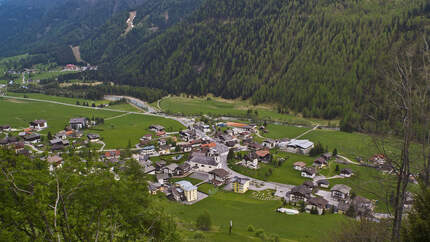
190,191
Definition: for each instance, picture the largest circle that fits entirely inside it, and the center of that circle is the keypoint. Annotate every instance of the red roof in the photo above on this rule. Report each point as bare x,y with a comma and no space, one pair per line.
210,145
262,153
112,153
237,125
161,133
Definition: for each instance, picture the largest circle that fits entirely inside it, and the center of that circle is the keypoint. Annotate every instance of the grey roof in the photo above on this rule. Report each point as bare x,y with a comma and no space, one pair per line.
323,181
93,136
318,201
302,190
220,173
309,170
303,144
186,185
341,188
172,166
202,158
78,121
346,171
162,176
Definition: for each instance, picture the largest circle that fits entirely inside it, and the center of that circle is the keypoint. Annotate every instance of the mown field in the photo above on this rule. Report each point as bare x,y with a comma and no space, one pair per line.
244,210
115,132
57,98
234,108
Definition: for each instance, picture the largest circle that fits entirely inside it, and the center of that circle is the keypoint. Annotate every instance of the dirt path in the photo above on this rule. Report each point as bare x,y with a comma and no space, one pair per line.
119,116
77,53
307,132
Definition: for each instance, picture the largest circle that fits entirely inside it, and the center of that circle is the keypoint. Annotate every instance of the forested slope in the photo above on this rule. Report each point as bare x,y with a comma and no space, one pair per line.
318,57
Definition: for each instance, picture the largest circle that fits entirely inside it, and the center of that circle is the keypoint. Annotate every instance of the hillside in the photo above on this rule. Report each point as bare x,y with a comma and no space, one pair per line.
321,58
51,27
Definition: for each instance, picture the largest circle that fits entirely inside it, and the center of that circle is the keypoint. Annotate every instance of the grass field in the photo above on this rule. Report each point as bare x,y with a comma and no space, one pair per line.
234,108
244,210
115,132
283,131
57,98
283,174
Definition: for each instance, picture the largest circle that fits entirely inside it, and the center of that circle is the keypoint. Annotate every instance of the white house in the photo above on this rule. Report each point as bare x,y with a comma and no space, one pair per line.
39,124
299,165
204,162
190,191
308,172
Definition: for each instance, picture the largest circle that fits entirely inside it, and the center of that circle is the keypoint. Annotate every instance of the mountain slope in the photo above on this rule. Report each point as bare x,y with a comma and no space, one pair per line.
318,57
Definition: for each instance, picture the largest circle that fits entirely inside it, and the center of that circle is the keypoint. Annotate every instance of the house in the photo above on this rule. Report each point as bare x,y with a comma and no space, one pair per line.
308,172
170,169
320,162
340,192
299,165
189,190
153,188
160,133
251,160
61,134
323,183
182,169
164,149
327,156
39,124
263,155
240,184
57,147
346,172
255,146
219,177
342,207
93,137
316,203
32,138
162,142
110,155
204,161
362,206
188,135
5,128
162,178
378,159
300,146
298,193
12,139
148,150
3,142
145,139
54,160
156,128
309,184
18,146
269,143
159,165
185,147
78,123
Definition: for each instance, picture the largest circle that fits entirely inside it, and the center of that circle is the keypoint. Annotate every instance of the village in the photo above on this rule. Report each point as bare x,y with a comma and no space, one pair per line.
207,153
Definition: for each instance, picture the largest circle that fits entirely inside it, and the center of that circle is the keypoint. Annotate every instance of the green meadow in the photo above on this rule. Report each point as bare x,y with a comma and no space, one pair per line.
244,210
234,108
115,132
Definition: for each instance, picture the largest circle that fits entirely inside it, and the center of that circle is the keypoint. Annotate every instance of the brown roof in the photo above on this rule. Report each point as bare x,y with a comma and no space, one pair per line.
54,159
318,201
220,173
262,153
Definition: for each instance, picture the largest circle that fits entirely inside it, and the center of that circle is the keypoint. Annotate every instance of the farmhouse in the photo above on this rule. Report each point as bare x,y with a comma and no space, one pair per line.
78,123
298,193
269,143
327,156
300,146
110,155
170,169
39,124
263,155
323,183
308,172
188,189
340,192
54,160
182,169
219,177
156,128
299,165
240,184
162,178
93,137
309,184
251,160
5,128
32,138
320,162
317,203
346,172
362,206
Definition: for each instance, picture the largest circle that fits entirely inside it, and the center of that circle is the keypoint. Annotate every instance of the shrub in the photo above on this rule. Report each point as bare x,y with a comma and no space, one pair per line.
251,228
199,235
275,238
259,233
204,221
